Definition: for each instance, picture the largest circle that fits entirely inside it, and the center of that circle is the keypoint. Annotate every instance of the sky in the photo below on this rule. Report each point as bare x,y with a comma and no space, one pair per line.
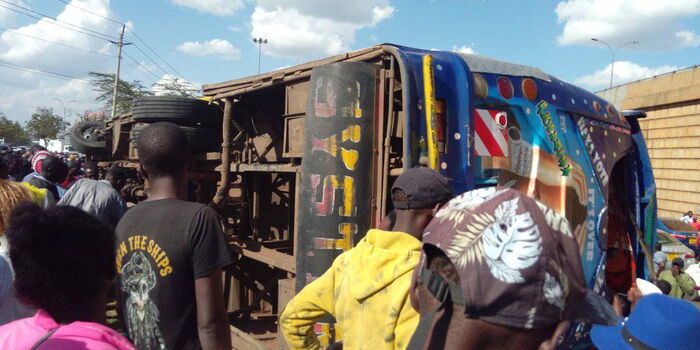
209,41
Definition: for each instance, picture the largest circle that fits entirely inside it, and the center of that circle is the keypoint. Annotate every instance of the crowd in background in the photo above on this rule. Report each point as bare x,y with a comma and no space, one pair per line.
488,269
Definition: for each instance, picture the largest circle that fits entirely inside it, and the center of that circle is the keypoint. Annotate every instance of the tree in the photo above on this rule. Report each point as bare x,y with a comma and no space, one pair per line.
45,125
171,85
12,131
103,84
98,115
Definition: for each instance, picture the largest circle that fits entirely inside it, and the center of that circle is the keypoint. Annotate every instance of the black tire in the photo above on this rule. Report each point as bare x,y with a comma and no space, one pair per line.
88,138
178,110
201,140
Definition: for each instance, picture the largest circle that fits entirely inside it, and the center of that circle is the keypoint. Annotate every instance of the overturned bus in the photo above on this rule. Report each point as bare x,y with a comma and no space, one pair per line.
301,161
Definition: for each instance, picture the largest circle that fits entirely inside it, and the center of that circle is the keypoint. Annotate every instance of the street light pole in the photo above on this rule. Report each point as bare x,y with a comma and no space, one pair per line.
614,53
260,42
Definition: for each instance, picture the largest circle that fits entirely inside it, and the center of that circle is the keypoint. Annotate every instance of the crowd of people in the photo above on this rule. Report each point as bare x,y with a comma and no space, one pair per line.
491,268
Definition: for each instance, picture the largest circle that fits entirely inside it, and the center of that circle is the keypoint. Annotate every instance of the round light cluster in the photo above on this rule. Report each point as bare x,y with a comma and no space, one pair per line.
505,87
481,88
529,89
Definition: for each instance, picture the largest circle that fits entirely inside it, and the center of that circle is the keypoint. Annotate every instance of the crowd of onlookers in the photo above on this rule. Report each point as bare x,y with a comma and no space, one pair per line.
491,268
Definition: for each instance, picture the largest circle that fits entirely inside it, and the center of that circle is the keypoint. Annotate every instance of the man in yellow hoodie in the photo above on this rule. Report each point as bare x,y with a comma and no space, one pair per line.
366,288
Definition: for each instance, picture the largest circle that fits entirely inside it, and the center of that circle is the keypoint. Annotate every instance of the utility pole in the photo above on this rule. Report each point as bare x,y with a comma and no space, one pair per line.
614,53
119,63
260,42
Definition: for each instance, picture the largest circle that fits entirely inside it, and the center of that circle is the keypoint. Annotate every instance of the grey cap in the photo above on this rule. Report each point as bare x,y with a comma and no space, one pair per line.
424,188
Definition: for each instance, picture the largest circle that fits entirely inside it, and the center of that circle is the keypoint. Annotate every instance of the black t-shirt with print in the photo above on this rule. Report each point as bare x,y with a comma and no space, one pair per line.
162,247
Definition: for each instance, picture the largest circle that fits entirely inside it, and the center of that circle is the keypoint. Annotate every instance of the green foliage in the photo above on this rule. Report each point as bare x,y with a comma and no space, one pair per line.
45,125
12,131
103,84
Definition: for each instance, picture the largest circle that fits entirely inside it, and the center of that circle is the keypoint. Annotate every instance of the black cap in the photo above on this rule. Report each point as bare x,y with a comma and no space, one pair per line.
424,188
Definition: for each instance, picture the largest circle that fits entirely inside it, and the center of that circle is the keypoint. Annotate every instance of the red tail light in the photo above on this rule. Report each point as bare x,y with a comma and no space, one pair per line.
505,87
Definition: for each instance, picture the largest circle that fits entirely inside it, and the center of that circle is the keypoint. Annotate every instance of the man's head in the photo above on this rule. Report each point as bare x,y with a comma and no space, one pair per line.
36,148
416,195
163,150
689,213
91,171
677,265
54,169
116,177
507,271
664,286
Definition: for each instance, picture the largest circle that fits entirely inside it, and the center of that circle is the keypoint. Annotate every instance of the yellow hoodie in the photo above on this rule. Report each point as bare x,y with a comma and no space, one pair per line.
366,290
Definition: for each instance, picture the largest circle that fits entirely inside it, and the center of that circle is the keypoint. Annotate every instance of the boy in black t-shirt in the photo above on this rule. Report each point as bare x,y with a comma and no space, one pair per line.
170,254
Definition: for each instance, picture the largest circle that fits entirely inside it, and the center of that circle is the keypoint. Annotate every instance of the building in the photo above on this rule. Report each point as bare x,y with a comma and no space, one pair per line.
672,133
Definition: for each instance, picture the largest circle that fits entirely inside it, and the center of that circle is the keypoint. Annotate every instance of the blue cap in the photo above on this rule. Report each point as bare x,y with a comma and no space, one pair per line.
657,322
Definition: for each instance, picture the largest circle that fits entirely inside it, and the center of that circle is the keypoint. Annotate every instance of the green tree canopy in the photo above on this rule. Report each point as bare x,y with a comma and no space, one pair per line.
45,125
103,84
12,131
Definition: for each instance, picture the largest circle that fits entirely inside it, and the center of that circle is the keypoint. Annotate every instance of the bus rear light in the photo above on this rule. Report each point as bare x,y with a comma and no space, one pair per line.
596,106
481,88
529,89
505,87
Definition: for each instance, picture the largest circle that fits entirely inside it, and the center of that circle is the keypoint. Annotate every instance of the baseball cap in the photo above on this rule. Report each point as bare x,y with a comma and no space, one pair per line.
424,187
656,322
517,260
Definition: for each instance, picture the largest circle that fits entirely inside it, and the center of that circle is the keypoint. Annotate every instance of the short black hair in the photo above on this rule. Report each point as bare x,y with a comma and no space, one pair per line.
163,149
664,286
678,262
116,172
36,148
62,257
54,169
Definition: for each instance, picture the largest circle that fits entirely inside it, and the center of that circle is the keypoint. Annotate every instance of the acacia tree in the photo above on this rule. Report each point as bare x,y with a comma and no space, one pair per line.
12,131
46,125
103,84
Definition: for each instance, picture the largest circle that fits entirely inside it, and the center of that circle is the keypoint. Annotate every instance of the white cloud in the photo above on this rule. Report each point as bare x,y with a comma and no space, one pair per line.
656,24
21,92
212,7
169,82
215,47
624,72
311,29
464,49
8,16
234,28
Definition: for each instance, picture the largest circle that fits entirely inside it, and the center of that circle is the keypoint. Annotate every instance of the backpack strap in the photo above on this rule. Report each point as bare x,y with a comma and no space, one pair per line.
442,291
44,339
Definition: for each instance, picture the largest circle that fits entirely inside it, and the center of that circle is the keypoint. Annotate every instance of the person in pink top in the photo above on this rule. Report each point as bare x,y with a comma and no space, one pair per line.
64,266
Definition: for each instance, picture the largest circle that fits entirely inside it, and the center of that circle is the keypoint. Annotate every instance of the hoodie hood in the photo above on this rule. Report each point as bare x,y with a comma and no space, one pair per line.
388,255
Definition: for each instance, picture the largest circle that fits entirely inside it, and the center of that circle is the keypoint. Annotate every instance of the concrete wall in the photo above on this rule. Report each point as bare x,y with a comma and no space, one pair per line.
672,132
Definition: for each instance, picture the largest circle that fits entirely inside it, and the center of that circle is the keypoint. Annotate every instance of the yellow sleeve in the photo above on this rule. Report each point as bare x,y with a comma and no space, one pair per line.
406,324
312,303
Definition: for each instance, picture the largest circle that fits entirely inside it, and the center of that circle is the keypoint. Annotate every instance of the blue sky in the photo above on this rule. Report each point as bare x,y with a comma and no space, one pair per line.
207,44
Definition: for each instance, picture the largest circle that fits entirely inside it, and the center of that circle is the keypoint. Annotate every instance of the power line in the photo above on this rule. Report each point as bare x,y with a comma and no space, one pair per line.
58,20
154,51
135,35
11,65
54,23
141,65
150,59
91,12
54,42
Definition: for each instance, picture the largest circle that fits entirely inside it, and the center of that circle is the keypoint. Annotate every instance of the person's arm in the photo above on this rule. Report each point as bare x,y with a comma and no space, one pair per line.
312,303
212,322
210,254
686,284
